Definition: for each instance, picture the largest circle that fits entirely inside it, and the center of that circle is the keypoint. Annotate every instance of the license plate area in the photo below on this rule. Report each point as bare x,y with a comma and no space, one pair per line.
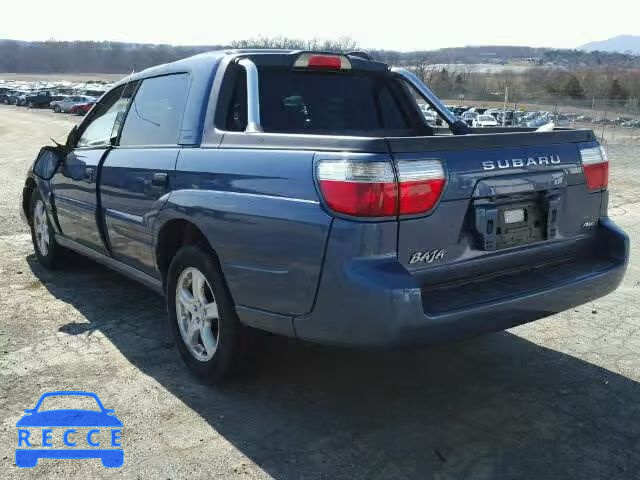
515,221
511,231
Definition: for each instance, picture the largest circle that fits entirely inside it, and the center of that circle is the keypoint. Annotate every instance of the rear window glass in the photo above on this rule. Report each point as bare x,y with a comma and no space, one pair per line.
329,103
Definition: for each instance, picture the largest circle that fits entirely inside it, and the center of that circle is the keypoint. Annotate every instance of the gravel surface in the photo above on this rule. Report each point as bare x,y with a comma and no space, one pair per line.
554,399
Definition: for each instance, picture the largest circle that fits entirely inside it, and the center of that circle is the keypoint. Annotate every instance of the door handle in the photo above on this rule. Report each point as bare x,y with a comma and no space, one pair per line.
159,181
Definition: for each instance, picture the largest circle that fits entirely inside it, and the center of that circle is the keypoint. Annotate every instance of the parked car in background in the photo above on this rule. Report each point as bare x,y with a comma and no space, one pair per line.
485,121
561,120
539,121
468,117
39,99
429,115
20,98
82,108
5,96
67,104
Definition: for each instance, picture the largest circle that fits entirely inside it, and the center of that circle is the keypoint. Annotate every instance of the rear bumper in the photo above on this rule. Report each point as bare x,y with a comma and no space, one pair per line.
379,304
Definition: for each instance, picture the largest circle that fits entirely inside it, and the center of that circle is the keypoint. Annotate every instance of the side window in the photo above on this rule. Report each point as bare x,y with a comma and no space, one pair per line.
107,117
156,111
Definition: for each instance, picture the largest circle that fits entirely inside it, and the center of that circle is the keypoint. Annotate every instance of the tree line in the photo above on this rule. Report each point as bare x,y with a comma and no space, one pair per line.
577,86
554,74
116,57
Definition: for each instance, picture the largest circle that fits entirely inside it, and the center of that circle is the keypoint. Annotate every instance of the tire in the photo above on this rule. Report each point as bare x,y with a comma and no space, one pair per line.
47,250
31,105
56,108
212,363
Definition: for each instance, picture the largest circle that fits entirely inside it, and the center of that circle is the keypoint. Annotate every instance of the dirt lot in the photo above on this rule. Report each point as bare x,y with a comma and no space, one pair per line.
555,399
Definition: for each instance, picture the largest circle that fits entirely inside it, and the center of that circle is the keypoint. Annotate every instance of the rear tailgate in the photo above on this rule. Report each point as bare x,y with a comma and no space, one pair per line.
511,200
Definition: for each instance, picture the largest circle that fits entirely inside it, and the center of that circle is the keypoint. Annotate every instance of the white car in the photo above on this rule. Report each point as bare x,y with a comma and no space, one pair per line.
469,117
485,121
430,116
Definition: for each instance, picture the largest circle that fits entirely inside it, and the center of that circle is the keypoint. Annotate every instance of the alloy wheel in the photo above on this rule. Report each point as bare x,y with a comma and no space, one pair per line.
197,314
41,228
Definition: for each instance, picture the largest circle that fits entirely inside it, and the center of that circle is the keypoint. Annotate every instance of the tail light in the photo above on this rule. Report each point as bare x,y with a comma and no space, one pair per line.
421,184
362,189
595,165
370,189
322,61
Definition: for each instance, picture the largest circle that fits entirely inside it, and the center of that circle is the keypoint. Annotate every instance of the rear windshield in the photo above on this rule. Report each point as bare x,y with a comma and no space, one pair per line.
332,103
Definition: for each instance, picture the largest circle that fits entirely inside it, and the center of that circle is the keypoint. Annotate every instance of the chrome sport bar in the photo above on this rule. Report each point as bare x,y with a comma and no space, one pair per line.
253,96
457,127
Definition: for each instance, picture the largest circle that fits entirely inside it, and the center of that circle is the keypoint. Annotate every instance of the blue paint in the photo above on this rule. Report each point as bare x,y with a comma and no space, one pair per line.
295,268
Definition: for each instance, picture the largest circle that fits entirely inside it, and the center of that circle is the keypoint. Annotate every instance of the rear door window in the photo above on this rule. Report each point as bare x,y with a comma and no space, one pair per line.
331,103
156,111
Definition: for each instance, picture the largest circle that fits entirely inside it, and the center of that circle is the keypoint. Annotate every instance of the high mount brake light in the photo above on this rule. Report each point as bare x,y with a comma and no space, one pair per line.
595,165
371,189
322,62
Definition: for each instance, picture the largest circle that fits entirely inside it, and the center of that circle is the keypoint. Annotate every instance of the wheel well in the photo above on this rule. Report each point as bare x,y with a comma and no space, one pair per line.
29,186
173,235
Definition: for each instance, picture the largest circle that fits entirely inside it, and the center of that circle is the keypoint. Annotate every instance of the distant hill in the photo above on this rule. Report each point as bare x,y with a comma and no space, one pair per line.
116,57
621,44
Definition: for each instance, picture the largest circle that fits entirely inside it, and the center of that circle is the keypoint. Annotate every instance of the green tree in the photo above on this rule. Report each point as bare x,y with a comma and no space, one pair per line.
617,91
572,88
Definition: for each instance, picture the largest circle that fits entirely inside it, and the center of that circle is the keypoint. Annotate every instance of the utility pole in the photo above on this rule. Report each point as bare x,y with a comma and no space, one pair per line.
504,108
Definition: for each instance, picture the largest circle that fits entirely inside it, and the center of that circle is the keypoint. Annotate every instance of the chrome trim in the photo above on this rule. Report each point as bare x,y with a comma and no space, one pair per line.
426,93
253,96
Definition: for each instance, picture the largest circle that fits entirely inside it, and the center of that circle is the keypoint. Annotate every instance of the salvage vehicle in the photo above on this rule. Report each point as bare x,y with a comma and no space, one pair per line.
304,194
82,108
469,117
485,121
19,98
66,104
38,99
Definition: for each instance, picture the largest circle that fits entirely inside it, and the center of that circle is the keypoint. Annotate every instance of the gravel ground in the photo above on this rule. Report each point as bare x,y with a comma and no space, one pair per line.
555,399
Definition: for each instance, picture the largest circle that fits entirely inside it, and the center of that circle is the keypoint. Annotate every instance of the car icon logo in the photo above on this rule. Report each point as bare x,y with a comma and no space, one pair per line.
69,433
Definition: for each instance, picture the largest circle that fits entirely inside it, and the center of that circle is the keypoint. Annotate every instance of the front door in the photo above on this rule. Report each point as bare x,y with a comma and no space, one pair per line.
75,183
137,174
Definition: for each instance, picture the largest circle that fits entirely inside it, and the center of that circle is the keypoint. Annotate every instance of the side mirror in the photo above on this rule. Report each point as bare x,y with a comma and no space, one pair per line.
47,162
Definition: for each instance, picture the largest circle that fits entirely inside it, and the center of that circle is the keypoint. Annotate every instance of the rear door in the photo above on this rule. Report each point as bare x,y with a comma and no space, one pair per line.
137,175
75,183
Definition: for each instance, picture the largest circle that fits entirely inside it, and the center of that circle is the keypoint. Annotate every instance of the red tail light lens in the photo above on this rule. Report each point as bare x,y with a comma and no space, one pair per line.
370,189
323,62
421,184
363,189
595,165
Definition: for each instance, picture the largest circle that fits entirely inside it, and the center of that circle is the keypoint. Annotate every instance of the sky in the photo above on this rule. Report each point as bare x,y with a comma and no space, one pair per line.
399,25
